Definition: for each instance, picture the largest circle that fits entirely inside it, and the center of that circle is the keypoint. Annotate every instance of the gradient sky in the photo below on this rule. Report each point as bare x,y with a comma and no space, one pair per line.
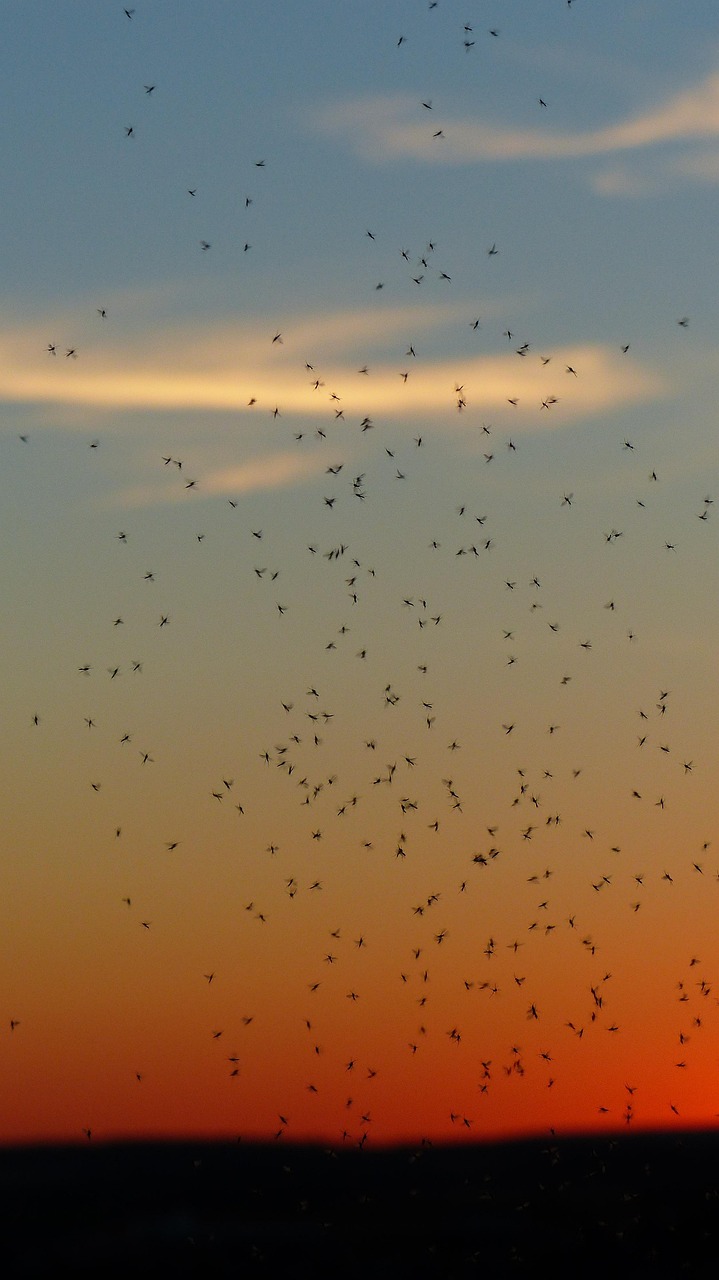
359,569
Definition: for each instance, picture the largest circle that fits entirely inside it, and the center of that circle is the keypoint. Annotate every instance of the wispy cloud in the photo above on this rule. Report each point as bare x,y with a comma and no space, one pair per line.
265,473
218,366
390,127
629,181
241,368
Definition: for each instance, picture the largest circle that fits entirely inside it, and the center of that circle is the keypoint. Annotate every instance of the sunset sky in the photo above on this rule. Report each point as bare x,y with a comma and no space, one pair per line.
359,368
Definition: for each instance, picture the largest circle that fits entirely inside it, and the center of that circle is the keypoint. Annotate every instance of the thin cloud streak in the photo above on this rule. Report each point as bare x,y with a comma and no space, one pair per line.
275,471
604,380
226,371
258,475
379,128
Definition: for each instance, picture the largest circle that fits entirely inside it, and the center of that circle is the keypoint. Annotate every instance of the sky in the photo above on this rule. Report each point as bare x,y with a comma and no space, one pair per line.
359,369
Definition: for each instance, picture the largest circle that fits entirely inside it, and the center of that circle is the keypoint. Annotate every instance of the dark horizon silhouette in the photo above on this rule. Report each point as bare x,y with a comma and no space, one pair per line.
643,1201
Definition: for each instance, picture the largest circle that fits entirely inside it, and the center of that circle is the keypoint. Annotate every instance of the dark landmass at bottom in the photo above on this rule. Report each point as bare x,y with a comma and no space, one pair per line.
644,1203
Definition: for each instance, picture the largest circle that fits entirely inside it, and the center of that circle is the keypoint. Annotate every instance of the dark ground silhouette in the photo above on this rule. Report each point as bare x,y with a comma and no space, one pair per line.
645,1204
